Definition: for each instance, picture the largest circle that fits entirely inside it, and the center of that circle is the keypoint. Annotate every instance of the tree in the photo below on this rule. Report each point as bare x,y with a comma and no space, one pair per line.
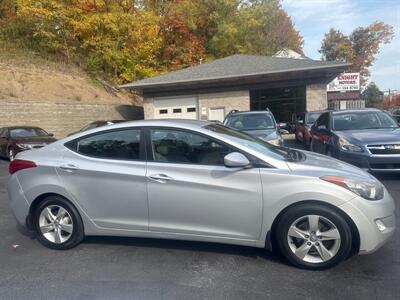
125,40
372,95
359,48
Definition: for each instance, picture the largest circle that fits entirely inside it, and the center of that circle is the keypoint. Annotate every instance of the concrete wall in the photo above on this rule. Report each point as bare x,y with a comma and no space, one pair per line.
63,118
239,100
229,100
316,97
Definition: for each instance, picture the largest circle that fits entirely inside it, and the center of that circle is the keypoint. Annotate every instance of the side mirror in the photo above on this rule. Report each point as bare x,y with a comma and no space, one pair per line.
236,160
51,134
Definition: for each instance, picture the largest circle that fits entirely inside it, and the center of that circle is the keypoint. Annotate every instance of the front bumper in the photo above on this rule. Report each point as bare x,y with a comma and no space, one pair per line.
372,163
365,215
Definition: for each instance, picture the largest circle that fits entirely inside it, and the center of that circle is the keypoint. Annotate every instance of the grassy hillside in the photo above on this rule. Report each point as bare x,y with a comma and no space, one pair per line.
26,76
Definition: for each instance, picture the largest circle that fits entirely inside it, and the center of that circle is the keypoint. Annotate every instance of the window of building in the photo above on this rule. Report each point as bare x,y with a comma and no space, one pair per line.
191,109
177,110
163,111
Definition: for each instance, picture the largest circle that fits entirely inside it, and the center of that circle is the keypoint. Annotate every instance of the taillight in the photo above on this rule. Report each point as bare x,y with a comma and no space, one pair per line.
20,164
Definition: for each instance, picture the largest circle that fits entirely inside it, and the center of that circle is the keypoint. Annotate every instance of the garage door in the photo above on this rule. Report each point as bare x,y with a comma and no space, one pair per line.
181,108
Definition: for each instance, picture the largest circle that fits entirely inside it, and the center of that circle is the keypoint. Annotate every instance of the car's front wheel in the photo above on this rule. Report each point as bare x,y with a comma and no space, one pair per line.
313,236
58,224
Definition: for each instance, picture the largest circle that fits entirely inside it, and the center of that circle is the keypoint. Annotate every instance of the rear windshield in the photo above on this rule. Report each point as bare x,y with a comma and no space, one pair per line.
363,120
27,132
251,121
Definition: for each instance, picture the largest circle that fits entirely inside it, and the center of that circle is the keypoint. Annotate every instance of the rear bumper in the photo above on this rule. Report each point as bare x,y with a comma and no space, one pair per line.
373,163
365,214
18,202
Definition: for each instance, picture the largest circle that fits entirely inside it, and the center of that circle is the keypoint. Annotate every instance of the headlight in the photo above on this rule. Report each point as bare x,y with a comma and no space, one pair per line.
24,146
346,146
370,190
276,142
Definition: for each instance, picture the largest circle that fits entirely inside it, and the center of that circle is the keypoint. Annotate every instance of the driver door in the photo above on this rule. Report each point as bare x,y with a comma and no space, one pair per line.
191,192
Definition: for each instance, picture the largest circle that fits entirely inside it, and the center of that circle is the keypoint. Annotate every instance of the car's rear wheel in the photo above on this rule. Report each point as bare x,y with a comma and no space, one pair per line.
313,236
58,224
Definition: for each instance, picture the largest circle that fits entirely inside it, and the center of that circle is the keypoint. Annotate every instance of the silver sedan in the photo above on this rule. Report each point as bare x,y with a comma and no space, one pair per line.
201,181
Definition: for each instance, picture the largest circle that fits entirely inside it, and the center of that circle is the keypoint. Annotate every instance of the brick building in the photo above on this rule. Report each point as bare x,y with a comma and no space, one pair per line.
244,82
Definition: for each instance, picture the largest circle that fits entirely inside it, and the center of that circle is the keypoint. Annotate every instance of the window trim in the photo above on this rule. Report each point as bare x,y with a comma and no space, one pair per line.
72,145
254,161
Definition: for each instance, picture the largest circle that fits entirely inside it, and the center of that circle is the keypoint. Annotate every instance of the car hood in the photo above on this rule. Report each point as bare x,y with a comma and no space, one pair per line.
35,140
313,164
266,134
371,136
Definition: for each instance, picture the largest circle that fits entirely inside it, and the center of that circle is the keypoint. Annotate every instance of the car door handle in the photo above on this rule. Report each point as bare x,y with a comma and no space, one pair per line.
162,178
69,167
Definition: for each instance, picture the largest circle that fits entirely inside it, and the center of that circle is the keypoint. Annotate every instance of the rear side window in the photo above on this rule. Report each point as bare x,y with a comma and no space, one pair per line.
122,144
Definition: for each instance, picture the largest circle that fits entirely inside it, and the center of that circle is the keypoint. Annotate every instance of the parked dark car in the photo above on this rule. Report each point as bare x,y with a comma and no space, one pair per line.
304,122
396,115
367,138
21,138
96,124
260,124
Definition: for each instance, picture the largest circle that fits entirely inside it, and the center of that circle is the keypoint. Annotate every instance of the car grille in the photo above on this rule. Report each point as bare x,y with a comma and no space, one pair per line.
384,149
385,166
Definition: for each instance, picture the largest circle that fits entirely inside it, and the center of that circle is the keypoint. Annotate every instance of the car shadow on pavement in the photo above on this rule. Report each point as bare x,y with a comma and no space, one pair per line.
250,252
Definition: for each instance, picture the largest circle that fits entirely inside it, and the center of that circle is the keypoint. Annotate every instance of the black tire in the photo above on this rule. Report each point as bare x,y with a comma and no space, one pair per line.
296,138
299,211
77,234
328,152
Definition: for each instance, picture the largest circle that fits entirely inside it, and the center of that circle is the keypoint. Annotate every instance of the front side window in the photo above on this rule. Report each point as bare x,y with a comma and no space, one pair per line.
122,144
27,132
175,146
251,121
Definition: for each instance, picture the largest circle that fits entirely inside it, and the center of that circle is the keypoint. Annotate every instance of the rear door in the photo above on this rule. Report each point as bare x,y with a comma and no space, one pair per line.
190,191
105,173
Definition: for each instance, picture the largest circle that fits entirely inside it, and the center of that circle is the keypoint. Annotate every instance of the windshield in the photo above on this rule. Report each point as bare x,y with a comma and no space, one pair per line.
312,117
363,120
27,132
251,121
254,143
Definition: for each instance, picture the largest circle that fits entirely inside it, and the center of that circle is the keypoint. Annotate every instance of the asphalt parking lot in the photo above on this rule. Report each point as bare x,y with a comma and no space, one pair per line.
131,268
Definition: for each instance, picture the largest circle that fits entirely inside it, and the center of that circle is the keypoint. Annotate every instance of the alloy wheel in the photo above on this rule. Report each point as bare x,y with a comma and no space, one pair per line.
55,223
314,239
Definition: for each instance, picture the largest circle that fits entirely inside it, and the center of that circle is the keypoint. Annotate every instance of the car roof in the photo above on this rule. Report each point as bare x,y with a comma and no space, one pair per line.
162,122
21,127
249,112
335,112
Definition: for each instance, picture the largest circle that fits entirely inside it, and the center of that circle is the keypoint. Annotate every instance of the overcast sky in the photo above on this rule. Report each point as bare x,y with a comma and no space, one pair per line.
313,18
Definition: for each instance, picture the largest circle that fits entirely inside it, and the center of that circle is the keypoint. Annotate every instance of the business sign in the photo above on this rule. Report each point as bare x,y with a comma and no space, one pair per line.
345,82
